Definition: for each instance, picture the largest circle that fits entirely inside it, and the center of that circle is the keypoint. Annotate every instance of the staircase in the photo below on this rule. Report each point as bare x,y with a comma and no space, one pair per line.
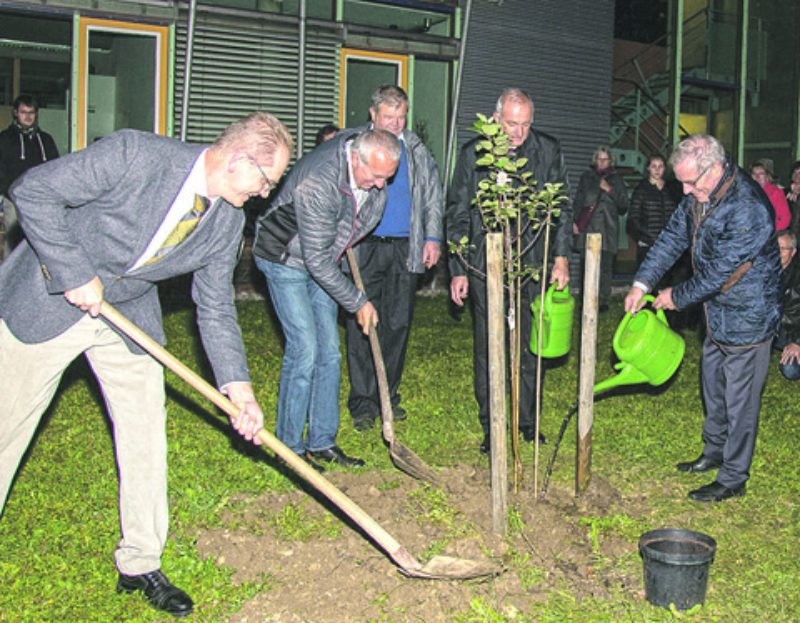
640,120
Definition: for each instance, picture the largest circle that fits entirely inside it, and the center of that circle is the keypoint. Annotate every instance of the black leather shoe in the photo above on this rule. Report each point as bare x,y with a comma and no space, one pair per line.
363,422
486,447
716,492
527,435
315,466
699,465
334,454
398,413
160,592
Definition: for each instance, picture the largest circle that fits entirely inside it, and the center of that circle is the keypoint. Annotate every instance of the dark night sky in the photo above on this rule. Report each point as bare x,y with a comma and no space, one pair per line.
640,20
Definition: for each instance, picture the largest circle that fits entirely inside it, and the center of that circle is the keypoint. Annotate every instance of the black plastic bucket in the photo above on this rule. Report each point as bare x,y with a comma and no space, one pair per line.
676,564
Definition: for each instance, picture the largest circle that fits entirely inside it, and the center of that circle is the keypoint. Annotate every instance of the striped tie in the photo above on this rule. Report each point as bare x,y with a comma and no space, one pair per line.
182,230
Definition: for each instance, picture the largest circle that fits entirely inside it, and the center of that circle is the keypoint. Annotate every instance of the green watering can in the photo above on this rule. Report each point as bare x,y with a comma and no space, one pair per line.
648,350
556,324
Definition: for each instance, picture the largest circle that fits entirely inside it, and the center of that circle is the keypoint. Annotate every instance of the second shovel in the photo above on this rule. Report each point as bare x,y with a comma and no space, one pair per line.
403,458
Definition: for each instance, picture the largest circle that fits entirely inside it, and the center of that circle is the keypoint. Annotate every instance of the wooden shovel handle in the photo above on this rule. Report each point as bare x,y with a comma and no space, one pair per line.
399,554
387,417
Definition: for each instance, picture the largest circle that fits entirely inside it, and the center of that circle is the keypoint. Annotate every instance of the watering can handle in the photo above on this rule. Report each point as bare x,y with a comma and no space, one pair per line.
548,295
649,298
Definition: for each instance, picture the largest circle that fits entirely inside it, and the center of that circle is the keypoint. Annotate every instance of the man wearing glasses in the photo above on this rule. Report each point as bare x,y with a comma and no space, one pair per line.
107,224
727,222
332,198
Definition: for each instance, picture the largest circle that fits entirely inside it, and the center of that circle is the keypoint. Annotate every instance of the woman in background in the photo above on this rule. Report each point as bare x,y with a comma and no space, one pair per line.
761,172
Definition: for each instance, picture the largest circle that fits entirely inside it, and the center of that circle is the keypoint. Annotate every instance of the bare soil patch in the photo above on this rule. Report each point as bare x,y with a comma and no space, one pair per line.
341,576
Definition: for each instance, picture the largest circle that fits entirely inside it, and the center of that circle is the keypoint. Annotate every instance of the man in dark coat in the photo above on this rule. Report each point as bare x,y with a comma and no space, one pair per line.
23,145
514,112
729,225
788,338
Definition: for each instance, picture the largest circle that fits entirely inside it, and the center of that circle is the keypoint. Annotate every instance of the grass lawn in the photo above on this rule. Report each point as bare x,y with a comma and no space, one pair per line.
59,529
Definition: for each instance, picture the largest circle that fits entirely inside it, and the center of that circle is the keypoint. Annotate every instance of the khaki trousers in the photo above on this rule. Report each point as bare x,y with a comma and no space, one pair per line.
133,389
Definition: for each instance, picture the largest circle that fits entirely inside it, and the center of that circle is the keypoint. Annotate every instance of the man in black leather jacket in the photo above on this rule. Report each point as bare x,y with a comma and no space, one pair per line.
514,112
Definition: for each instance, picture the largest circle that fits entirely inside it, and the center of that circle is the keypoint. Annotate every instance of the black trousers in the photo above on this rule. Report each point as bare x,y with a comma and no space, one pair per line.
527,397
391,288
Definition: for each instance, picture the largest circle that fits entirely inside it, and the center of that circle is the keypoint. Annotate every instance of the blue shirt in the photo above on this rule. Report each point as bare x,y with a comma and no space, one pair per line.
396,221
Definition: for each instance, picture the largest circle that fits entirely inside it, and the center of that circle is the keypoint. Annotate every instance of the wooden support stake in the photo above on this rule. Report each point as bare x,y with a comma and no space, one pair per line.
495,312
591,286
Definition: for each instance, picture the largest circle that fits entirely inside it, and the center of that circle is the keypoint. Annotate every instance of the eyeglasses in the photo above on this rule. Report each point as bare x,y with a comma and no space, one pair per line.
269,183
694,182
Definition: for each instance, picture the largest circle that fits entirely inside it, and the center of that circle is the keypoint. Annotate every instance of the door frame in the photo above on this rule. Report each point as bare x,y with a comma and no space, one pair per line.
401,61
83,26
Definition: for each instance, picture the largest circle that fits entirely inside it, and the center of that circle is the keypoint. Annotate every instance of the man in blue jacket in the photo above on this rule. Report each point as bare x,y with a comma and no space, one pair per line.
727,222
406,242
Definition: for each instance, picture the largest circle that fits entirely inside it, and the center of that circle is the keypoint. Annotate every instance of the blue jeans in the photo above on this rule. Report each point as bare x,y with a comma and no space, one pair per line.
309,385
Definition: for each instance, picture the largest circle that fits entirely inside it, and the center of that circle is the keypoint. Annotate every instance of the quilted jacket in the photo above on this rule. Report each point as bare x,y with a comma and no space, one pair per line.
737,270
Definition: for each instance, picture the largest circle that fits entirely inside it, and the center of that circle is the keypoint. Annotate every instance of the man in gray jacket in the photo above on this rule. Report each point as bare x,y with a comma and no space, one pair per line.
405,243
332,198
101,225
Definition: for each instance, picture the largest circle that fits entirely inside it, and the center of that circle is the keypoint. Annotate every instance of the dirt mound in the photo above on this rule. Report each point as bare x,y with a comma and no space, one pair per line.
320,568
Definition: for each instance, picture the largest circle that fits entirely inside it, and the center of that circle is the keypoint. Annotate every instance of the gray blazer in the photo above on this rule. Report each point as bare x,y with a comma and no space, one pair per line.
94,212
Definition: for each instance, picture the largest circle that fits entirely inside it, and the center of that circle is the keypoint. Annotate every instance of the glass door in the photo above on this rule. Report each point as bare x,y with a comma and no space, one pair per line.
363,72
122,78
35,56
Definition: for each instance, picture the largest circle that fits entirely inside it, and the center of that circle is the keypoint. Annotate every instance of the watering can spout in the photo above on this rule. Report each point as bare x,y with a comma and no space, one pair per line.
628,375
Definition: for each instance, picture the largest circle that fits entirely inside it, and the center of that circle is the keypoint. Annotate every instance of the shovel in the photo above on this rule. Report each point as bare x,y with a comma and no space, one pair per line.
438,568
403,458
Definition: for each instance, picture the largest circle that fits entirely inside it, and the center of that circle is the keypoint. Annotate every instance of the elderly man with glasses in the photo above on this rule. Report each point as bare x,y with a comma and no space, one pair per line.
108,224
728,225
